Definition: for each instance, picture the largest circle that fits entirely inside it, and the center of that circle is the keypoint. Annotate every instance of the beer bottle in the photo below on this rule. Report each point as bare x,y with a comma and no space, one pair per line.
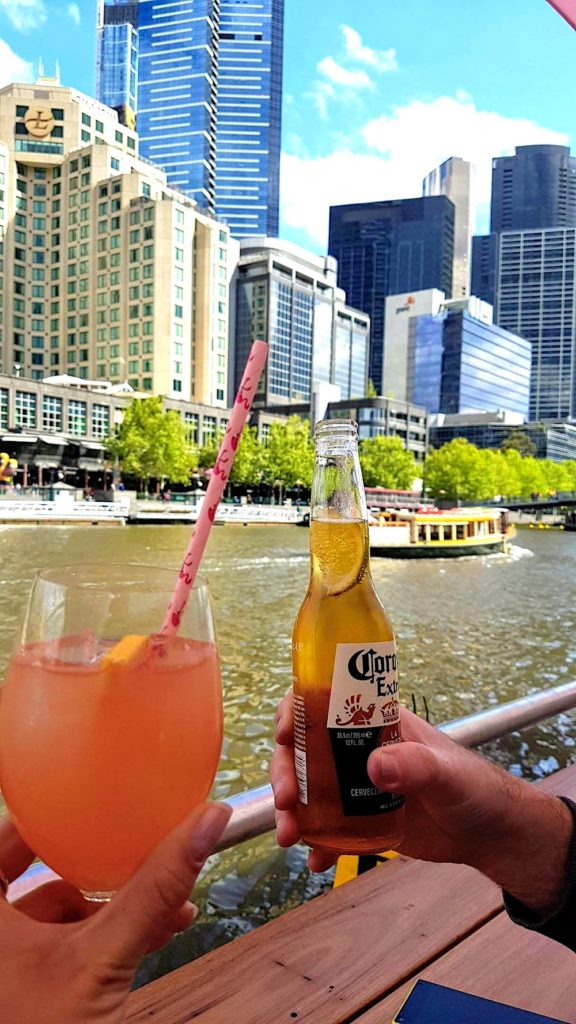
344,665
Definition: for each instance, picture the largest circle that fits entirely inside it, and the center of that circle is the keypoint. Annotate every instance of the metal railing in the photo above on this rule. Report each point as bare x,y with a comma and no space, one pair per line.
253,810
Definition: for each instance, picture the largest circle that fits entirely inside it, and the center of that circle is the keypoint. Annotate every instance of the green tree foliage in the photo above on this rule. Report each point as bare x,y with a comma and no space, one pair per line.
520,441
152,443
249,462
371,390
208,452
455,471
386,463
289,455
460,471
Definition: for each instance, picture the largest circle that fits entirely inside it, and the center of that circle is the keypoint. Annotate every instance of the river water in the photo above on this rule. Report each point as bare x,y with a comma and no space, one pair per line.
471,633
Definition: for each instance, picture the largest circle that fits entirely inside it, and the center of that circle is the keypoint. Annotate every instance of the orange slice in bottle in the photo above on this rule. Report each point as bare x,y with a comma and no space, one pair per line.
339,553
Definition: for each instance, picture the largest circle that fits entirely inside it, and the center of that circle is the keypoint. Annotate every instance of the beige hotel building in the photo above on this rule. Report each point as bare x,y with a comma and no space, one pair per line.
106,273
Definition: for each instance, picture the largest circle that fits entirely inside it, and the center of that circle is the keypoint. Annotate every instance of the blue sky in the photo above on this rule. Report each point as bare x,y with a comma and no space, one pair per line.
377,92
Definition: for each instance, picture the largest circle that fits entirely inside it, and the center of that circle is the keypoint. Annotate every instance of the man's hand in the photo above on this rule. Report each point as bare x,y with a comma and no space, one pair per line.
459,808
63,963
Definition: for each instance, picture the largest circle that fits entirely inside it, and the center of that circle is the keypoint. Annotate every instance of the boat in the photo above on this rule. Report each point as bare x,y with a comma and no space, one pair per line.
436,533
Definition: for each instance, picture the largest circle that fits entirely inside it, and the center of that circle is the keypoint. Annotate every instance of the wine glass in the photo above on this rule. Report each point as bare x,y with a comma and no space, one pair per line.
110,733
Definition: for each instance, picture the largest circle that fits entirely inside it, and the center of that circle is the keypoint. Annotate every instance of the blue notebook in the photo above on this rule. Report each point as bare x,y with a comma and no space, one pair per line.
435,1004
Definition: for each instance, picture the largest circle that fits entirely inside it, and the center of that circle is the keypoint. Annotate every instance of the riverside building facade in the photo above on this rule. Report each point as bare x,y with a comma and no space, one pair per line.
106,272
290,297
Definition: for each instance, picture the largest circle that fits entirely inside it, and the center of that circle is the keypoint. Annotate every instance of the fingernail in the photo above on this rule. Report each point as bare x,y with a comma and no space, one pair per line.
383,770
210,827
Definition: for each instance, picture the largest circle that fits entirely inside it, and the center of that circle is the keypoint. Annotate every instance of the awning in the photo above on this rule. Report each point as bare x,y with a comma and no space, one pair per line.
53,439
91,446
21,438
95,465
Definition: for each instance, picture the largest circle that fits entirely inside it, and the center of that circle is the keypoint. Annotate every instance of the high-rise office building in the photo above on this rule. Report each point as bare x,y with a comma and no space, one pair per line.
535,278
249,116
535,188
400,312
117,57
209,100
453,178
291,298
177,92
458,364
384,248
525,268
106,272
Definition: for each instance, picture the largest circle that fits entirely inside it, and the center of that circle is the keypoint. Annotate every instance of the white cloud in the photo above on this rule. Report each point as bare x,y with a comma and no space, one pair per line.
25,15
394,152
380,60
340,75
12,67
74,12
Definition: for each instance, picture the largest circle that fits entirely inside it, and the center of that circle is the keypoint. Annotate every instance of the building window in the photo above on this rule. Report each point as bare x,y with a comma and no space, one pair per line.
100,421
208,429
51,413
76,417
3,408
191,426
25,409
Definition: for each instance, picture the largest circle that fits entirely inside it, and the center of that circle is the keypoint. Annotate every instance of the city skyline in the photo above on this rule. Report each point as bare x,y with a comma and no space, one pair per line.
371,106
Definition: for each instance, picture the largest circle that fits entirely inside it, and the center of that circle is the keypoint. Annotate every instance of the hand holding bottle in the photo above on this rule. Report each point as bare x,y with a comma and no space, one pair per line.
459,808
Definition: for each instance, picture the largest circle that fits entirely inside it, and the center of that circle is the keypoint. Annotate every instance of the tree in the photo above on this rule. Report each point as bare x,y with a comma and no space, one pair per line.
386,463
371,390
289,454
249,462
208,452
520,441
456,472
152,443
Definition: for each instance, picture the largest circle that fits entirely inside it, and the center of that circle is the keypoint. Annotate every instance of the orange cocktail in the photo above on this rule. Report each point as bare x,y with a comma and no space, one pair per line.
102,755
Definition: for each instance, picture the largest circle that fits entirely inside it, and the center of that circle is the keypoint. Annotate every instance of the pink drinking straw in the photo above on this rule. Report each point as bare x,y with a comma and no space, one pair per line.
215,490
567,8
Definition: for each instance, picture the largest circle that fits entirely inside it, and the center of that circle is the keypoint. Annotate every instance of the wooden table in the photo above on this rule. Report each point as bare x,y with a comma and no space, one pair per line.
354,953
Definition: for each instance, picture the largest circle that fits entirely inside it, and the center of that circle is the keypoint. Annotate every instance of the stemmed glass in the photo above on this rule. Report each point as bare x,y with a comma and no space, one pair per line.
110,734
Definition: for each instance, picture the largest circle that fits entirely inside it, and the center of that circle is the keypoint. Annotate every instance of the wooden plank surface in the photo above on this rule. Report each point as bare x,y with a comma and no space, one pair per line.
329,958
336,956
503,962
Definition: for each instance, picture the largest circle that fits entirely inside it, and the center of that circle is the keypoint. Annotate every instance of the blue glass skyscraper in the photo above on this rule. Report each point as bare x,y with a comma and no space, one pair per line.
177,91
249,115
117,57
457,364
209,100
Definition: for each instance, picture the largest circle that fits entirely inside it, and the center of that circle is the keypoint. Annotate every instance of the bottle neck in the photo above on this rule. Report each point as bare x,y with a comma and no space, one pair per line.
337,486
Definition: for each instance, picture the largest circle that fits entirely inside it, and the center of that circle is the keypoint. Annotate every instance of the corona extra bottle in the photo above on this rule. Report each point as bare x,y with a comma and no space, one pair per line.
344,665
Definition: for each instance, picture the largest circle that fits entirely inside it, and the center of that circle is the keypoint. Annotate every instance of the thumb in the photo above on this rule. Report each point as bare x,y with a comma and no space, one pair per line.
410,767
148,904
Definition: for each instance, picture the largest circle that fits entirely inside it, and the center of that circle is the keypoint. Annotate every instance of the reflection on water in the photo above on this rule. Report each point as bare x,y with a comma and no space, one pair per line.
471,633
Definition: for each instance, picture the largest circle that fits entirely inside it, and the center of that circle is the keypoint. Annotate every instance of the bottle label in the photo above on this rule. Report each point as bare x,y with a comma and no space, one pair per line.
363,714
300,748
